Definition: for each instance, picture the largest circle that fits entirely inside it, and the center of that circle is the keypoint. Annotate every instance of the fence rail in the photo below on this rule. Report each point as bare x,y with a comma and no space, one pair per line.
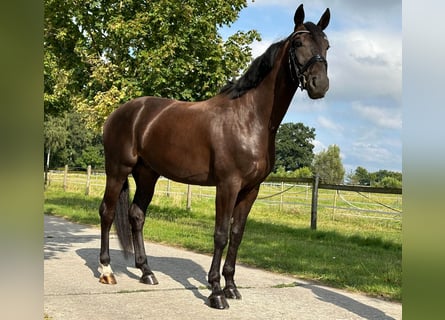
345,200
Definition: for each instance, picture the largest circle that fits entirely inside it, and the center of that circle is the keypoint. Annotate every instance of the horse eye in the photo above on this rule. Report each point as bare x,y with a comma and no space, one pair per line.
298,43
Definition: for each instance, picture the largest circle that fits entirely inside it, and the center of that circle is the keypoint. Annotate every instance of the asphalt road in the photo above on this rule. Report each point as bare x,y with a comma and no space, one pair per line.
72,289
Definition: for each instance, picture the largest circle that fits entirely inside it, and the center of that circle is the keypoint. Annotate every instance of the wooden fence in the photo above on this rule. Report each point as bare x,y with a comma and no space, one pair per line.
316,185
274,191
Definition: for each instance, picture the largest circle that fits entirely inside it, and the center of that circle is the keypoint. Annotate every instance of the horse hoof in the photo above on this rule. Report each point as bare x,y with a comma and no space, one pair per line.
149,279
232,293
107,279
218,302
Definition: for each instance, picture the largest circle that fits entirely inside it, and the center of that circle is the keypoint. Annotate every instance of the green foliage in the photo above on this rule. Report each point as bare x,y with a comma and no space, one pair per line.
71,142
304,172
362,176
54,133
294,148
328,165
381,178
99,54
389,182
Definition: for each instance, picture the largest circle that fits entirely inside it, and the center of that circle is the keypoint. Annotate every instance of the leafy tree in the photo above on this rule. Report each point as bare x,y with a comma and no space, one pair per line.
362,176
55,135
92,155
389,182
304,172
329,166
381,178
380,175
294,148
71,142
101,53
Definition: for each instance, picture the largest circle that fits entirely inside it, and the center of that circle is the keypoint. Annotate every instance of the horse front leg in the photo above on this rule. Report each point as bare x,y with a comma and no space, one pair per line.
240,214
225,202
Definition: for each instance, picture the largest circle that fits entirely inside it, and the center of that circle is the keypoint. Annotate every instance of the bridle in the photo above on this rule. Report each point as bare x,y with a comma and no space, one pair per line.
297,70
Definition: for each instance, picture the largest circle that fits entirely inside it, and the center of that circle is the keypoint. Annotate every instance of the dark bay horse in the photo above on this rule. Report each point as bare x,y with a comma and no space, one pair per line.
227,141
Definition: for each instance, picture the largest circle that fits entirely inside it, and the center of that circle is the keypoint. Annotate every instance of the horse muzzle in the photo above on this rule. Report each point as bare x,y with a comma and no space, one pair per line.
317,86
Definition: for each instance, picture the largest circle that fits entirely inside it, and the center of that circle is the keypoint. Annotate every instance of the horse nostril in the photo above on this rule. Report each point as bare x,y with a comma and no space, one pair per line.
313,82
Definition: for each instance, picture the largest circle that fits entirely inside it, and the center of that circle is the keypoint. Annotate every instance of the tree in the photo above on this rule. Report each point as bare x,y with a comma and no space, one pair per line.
55,135
294,148
99,54
362,176
389,182
381,178
329,166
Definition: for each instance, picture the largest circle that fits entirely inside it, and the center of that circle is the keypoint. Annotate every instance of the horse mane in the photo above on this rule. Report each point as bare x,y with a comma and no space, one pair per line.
257,71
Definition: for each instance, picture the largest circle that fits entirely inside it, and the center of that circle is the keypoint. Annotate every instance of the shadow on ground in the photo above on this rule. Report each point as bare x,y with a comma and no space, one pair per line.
182,271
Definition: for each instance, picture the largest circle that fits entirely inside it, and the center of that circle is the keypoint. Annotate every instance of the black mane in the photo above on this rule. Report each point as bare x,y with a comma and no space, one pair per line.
256,72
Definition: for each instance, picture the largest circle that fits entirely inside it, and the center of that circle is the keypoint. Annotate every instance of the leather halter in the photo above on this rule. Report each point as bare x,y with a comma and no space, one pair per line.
297,70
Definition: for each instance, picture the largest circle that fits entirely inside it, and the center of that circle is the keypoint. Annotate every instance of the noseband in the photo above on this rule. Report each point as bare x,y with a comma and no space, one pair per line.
297,70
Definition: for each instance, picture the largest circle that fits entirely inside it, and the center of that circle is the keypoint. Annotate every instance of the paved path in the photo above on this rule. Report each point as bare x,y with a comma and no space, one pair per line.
72,289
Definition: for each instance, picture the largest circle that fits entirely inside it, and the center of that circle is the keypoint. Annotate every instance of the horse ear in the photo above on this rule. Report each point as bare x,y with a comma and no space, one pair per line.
299,16
324,20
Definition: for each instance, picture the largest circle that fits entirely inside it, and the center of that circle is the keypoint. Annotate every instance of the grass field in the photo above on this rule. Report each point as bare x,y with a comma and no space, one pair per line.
350,252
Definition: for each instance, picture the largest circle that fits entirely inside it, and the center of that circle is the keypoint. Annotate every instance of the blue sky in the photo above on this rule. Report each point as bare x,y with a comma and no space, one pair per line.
362,111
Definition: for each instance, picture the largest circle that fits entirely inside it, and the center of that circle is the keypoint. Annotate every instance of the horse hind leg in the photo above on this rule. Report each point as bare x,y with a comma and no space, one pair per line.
115,190
145,184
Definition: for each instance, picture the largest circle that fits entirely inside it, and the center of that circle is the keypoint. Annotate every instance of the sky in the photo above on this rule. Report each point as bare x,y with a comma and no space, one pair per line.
362,111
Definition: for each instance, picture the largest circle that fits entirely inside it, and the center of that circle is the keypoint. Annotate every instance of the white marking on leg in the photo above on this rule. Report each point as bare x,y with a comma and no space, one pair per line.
104,270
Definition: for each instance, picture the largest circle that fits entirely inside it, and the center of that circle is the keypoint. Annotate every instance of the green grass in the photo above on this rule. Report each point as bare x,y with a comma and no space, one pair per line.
362,255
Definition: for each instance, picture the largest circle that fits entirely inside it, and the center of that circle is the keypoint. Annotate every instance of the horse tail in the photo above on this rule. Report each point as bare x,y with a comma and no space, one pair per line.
122,222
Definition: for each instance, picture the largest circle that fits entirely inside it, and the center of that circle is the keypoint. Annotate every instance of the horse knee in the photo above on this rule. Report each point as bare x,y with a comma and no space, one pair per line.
220,239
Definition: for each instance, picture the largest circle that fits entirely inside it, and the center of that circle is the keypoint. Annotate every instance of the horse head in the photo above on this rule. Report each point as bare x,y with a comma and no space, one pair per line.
307,54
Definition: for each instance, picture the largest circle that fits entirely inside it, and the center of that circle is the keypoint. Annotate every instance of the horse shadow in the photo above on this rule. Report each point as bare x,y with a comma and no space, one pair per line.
59,236
354,306
184,271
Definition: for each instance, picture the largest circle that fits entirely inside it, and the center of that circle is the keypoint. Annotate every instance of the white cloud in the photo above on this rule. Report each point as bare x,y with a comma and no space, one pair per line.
259,47
390,118
282,3
329,124
318,146
374,153
365,64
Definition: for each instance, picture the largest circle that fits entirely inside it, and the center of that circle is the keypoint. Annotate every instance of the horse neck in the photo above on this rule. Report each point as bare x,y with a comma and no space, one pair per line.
276,91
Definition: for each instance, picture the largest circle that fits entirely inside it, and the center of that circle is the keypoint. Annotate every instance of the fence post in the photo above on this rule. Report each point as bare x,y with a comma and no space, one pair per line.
65,177
168,187
314,202
87,189
335,203
189,197
281,195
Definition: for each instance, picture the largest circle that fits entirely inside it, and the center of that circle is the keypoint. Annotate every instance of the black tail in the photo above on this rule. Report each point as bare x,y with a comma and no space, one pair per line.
122,222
